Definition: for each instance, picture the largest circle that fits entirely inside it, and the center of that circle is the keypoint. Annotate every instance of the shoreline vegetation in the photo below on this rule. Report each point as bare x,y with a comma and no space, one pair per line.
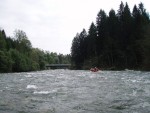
18,55
117,41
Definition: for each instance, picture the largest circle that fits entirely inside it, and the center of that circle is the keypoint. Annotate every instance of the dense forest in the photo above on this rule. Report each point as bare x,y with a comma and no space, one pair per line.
116,41
18,55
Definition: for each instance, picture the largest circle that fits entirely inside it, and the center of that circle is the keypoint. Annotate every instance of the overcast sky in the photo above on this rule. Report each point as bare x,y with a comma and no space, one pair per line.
52,24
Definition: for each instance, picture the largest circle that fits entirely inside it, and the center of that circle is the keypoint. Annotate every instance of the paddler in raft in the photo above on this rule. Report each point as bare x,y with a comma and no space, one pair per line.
94,69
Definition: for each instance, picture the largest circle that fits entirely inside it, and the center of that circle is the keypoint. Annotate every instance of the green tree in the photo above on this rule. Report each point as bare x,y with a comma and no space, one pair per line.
79,49
146,48
83,45
2,40
113,39
91,41
5,62
140,20
37,56
23,44
101,22
75,52
121,11
121,40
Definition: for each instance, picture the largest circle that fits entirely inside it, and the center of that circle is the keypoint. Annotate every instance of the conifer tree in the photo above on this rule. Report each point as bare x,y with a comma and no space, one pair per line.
118,41
91,41
101,30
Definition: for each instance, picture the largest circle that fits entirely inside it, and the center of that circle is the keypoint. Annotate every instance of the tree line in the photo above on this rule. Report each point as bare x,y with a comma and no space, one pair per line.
18,55
116,41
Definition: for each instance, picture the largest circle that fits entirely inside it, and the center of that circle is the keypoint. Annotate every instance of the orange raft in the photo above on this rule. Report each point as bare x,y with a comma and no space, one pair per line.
94,69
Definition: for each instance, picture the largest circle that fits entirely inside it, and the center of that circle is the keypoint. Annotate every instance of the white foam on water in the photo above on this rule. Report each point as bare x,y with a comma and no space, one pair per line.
81,75
6,87
41,92
134,93
28,76
44,92
147,91
147,81
146,104
133,80
31,87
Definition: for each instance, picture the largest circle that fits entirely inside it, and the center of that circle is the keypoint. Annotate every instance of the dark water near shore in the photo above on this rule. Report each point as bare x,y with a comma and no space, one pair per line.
67,91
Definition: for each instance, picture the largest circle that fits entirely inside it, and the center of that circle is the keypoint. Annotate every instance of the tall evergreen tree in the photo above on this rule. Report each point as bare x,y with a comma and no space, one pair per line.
101,22
146,48
79,49
91,41
121,11
2,40
141,20
120,39
113,29
83,44
75,52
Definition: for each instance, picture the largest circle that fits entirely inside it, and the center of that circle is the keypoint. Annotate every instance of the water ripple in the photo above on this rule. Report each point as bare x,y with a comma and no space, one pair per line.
75,91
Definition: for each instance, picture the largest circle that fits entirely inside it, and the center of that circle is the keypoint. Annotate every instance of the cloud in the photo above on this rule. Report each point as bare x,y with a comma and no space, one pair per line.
52,24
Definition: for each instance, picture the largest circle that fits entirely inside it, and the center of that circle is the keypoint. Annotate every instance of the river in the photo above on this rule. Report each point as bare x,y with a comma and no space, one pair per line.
70,91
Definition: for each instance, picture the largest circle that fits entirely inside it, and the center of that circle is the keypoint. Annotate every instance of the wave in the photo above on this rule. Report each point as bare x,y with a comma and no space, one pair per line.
41,92
32,87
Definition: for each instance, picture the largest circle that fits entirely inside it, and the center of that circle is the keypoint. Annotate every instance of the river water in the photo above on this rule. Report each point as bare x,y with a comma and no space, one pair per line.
70,91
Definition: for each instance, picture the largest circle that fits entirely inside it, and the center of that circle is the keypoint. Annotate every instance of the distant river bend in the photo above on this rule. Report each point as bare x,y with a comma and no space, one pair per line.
69,91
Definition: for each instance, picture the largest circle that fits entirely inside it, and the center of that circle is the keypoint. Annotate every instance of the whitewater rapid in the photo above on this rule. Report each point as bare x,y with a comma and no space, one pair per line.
75,91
